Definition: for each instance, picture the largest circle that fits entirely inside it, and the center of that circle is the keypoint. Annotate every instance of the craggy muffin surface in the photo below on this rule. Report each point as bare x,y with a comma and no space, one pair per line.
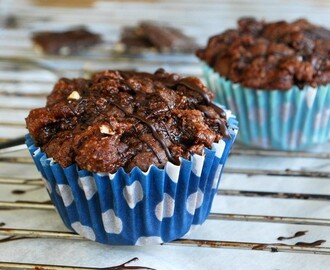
126,119
268,56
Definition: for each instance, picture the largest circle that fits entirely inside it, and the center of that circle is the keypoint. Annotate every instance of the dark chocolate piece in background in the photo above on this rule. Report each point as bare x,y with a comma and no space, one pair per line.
156,37
65,43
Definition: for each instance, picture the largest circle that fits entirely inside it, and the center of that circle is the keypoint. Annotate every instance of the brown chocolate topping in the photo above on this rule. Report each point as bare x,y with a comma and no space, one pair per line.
18,191
268,56
21,191
312,244
297,234
154,132
127,119
274,249
33,202
124,266
194,87
14,238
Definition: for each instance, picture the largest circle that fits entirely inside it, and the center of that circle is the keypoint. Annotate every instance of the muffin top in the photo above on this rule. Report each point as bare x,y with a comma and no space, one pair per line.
126,119
268,56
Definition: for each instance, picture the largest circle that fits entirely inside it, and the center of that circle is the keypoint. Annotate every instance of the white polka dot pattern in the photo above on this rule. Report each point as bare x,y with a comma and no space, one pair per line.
219,148
66,193
310,96
88,185
36,152
111,176
47,185
84,231
194,201
133,194
197,164
165,208
172,171
216,176
112,223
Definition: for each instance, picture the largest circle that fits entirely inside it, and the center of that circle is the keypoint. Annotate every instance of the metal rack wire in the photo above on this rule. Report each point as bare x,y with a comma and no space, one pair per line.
314,248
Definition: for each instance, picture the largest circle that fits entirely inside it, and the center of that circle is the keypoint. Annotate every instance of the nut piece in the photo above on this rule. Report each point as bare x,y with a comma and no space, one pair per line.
105,129
74,95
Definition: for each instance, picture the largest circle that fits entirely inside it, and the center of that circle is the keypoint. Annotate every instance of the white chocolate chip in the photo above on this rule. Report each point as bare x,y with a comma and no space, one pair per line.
300,58
105,129
74,95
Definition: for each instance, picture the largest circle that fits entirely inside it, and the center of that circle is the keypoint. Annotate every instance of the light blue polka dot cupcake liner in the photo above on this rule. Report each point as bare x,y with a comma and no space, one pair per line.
285,120
137,208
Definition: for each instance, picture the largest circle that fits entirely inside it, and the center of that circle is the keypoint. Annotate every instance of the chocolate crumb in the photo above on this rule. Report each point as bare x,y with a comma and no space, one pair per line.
125,266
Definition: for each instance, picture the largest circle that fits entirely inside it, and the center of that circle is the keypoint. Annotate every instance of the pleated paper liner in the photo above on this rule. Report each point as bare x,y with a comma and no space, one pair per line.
136,208
272,119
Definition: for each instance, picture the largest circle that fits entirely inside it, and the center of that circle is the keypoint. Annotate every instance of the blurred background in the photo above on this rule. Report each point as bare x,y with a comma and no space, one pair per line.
199,20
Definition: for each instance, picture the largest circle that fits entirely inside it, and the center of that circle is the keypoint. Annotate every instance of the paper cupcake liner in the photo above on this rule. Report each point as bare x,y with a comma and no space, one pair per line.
136,208
286,120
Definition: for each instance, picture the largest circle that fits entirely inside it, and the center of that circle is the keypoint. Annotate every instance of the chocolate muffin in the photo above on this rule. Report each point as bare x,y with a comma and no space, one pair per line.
275,77
68,42
127,119
129,157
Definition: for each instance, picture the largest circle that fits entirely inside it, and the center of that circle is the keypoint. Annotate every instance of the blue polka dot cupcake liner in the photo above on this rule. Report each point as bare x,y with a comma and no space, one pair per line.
136,208
290,120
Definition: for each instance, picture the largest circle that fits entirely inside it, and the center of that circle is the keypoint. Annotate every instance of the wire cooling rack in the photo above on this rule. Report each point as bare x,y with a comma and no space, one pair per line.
298,226
271,210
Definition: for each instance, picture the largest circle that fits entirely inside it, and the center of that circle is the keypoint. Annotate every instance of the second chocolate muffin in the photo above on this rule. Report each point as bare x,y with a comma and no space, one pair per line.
271,55
275,77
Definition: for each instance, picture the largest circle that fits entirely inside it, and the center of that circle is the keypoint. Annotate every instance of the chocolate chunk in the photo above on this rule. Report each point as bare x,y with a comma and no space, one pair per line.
65,43
275,55
126,119
157,37
132,38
